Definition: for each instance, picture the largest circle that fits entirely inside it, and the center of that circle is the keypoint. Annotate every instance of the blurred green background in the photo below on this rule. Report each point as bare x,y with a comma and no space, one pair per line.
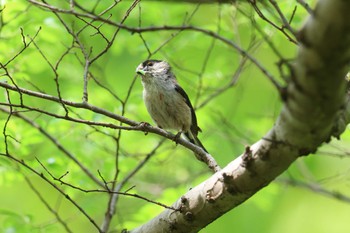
237,117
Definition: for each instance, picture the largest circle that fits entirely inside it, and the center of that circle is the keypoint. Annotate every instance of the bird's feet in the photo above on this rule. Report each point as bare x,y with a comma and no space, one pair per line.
143,126
177,137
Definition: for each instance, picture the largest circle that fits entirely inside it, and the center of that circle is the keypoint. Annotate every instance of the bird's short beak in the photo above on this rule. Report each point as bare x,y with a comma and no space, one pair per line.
140,71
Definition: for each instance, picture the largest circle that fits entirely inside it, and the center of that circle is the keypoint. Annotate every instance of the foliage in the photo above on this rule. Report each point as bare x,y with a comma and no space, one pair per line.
39,54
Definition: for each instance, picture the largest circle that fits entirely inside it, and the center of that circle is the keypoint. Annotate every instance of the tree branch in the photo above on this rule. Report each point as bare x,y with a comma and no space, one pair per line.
57,144
162,28
315,97
205,157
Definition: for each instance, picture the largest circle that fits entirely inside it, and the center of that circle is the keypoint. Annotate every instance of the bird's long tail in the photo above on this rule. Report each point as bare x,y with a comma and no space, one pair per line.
194,139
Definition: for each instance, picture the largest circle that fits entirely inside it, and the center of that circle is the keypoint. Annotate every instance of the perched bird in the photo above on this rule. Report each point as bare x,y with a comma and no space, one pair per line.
167,103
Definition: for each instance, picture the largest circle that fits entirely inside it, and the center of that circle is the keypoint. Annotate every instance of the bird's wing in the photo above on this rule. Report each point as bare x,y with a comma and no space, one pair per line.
194,126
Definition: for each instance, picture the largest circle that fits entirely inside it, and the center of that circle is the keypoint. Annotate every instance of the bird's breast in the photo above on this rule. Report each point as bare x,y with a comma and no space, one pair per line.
161,97
168,109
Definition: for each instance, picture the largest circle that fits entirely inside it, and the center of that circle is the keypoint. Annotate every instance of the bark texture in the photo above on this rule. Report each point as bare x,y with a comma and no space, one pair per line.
315,108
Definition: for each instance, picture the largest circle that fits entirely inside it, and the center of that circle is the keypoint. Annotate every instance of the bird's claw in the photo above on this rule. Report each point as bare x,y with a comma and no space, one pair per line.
143,126
177,137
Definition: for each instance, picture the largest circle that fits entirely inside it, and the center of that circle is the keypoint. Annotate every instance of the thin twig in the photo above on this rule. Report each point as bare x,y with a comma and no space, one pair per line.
44,178
47,205
222,89
317,189
62,182
281,29
206,59
207,158
285,21
131,8
306,6
57,144
162,28
54,70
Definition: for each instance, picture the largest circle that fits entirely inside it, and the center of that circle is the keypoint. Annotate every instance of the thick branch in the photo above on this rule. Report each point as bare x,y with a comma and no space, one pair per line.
315,100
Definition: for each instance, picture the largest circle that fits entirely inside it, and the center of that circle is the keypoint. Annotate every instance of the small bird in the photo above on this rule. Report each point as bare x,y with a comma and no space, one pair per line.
166,101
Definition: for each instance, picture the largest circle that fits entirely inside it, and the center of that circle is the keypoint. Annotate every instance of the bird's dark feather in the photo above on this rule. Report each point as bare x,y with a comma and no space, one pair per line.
194,126
145,63
195,140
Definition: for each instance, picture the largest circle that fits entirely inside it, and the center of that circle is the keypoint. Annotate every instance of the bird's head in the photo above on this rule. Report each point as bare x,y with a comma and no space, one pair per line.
153,69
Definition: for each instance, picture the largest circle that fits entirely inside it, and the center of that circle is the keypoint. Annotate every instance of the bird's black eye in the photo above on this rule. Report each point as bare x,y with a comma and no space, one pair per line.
150,63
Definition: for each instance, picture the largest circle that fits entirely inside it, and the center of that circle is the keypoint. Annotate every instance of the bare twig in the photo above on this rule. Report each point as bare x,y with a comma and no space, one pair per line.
54,70
83,50
62,182
208,159
131,8
25,46
47,205
111,210
57,144
306,6
232,82
279,28
285,21
7,122
206,59
44,178
162,28
317,189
